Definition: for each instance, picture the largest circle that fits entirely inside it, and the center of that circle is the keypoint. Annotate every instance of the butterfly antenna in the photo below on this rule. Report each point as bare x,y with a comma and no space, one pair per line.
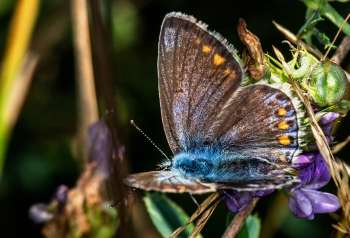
336,36
117,201
133,123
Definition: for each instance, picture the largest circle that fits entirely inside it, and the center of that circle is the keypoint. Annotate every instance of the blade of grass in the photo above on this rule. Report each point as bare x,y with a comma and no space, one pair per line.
19,37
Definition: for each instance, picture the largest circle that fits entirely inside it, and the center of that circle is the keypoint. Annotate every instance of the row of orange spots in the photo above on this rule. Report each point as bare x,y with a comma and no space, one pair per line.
180,187
283,125
218,60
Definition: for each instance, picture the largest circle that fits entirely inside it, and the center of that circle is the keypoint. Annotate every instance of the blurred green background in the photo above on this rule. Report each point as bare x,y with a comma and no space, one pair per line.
41,152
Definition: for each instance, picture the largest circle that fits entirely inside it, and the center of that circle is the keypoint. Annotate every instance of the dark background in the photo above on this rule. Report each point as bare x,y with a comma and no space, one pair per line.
41,155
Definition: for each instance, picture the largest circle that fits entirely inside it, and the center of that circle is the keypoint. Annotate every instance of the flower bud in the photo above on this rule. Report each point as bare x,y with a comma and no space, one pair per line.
327,84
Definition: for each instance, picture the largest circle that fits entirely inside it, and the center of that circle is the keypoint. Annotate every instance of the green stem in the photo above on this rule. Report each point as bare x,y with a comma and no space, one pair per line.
329,12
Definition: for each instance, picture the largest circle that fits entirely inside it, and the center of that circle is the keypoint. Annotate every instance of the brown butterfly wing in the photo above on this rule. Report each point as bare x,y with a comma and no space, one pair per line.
198,73
262,121
166,182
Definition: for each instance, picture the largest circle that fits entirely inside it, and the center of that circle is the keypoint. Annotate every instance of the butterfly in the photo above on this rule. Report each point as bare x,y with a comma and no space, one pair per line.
223,135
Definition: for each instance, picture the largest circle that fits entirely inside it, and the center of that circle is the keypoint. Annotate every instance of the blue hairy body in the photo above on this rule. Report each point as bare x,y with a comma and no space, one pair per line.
211,165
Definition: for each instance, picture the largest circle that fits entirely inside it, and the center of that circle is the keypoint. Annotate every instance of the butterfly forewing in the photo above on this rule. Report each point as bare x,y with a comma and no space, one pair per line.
167,181
198,73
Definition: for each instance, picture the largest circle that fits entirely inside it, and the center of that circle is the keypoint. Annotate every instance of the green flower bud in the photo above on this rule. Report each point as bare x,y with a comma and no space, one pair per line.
327,85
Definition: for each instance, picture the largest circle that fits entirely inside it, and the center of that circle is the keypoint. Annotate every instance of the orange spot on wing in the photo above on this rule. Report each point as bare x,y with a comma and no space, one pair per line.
274,102
206,49
218,60
166,186
181,187
282,112
282,159
283,125
232,75
284,140
197,41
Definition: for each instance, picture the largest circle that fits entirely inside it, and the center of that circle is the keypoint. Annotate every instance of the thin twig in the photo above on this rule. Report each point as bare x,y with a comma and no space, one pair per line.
295,40
238,222
342,51
85,76
336,36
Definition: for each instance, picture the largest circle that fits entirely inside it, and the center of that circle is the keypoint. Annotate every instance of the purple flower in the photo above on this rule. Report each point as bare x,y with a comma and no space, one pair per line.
304,198
305,159
326,122
327,117
61,197
262,193
101,147
236,201
41,212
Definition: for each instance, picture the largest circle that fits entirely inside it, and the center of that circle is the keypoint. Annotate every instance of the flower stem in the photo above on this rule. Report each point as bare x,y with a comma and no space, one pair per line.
238,222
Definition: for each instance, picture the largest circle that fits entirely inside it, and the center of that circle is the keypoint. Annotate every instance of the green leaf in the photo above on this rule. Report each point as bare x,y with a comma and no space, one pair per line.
251,227
166,215
253,224
310,23
323,39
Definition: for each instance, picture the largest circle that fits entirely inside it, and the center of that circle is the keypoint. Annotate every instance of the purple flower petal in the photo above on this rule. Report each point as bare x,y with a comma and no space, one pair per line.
327,129
322,202
311,217
236,201
61,194
303,160
326,117
315,108
316,175
262,193
39,213
300,204
101,147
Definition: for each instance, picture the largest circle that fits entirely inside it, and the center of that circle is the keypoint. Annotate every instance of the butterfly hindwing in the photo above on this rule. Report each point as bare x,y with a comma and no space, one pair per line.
261,121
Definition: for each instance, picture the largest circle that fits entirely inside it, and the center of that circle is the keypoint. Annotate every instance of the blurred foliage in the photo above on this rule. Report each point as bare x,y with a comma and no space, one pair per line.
250,229
41,153
166,215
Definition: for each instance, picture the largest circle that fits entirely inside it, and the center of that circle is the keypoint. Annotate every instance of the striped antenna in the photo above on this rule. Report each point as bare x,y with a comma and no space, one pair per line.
133,123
